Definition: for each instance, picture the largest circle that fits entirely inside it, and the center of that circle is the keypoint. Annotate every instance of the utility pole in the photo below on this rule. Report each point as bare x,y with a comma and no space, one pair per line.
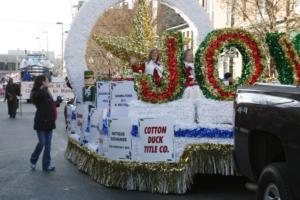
62,44
232,25
46,32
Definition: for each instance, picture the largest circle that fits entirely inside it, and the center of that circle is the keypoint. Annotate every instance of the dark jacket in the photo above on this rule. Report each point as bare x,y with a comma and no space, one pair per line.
11,92
44,118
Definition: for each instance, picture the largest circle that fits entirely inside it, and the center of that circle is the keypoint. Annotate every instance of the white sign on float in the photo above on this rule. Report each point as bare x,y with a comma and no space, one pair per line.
157,140
56,89
26,89
93,135
119,144
122,92
103,94
103,138
79,127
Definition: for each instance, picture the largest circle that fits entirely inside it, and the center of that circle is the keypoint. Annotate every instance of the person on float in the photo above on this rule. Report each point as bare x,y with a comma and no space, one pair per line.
228,79
192,89
152,66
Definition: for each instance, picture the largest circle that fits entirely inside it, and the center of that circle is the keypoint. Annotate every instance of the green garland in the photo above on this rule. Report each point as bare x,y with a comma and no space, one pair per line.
198,66
254,61
296,42
284,69
154,177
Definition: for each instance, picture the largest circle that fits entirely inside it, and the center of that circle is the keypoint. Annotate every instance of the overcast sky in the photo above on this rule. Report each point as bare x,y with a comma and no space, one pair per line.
23,21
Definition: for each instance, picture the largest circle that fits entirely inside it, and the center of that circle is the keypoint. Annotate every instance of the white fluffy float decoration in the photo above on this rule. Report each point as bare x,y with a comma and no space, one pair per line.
83,24
151,177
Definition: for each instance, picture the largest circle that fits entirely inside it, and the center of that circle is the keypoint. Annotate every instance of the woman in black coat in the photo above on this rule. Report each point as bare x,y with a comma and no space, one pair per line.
44,121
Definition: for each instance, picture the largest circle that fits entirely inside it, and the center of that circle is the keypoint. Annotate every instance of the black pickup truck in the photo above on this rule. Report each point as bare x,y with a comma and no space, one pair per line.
267,139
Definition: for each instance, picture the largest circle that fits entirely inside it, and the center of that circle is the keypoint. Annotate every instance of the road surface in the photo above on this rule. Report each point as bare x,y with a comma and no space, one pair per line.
18,182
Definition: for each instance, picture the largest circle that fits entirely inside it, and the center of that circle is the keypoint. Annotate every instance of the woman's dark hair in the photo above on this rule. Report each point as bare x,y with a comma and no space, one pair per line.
10,81
38,82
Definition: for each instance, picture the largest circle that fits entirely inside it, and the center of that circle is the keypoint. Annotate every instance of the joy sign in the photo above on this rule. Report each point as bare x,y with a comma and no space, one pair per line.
254,62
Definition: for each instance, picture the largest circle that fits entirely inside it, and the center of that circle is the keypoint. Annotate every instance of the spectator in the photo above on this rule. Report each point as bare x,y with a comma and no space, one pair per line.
11,93
44,121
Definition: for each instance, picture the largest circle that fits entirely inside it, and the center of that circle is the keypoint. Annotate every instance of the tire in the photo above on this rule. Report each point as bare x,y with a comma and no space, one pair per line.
273,182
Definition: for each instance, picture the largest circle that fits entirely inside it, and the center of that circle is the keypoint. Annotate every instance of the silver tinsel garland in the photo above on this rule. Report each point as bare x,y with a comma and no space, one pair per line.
154,177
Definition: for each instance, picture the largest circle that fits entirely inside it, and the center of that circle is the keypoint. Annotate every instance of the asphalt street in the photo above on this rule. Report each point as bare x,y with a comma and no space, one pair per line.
18,182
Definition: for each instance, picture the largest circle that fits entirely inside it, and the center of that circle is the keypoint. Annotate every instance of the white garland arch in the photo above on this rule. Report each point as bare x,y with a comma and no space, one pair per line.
76,44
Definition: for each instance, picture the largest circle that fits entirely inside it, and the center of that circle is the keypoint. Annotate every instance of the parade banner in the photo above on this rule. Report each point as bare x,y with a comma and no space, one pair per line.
56,89
122,92
103,94
156,140
119,144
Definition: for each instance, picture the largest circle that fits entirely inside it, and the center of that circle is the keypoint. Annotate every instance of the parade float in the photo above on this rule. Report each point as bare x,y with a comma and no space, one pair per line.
133,134
37,64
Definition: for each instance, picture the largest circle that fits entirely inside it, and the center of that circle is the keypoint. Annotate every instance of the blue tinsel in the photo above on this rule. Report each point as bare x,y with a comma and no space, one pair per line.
204,133
195,133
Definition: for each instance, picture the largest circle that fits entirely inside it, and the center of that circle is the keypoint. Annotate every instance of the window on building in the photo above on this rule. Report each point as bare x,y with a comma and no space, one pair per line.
2,66
11,66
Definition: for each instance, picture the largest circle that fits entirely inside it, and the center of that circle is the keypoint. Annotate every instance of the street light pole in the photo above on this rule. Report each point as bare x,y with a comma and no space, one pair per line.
62,43
46,32
38,43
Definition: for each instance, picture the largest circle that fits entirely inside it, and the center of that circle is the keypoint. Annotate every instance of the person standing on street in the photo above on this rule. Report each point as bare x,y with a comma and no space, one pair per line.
11,93
44,121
